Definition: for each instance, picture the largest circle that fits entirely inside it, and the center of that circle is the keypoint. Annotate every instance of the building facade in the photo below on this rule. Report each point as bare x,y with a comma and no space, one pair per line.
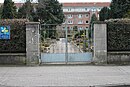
79,14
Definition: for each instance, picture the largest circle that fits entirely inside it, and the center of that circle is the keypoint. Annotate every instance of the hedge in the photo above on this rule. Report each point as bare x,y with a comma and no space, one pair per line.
17,41
118,35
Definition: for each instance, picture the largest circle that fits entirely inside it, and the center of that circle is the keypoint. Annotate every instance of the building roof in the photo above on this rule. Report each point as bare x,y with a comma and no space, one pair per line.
87,4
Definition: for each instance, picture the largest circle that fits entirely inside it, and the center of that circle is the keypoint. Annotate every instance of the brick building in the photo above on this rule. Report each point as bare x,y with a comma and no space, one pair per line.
79,14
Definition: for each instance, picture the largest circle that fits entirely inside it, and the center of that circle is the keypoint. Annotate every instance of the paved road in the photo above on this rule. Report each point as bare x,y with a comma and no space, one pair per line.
64,76
60,47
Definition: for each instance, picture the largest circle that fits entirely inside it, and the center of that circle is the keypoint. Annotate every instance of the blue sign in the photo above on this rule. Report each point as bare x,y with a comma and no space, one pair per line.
4,32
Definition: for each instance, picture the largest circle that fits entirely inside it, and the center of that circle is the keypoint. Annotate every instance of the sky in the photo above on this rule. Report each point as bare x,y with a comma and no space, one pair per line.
67,1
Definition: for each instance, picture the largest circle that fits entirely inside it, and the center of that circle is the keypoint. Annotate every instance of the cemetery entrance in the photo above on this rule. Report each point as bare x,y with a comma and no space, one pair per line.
61,44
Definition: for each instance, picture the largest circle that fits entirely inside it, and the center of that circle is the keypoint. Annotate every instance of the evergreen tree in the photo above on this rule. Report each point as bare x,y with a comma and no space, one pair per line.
50,12
93,18
75,28
119,8
104,14
127,15
1,11
91,27
9,10
26,11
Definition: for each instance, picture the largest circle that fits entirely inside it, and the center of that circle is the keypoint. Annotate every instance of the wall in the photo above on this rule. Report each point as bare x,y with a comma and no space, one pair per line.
118,57
13,58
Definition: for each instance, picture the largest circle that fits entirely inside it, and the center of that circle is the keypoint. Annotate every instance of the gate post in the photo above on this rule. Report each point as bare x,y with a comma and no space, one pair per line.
32,43
100,43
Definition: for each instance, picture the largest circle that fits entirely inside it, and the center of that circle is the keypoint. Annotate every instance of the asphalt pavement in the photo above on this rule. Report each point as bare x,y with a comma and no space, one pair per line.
96,76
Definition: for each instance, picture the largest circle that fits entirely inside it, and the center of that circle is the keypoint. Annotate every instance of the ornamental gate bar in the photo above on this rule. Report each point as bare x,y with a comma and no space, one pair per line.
62,44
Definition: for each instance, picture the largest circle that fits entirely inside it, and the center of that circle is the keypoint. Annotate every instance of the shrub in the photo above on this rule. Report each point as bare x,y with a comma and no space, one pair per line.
17,41
46,44
118,35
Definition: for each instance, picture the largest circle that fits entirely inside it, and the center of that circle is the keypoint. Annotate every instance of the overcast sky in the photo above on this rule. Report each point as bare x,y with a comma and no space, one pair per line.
68,0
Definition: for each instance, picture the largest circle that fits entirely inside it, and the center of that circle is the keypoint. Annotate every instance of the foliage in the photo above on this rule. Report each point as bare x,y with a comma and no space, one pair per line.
50,12
91,27
119,8
9,10
26,11
75,28
127,15
79,34
17,41
118,35
1,11
48,31
93,18
104,14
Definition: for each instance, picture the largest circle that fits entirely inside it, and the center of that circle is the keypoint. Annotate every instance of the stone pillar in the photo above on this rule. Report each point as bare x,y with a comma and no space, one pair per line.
100,43
32,43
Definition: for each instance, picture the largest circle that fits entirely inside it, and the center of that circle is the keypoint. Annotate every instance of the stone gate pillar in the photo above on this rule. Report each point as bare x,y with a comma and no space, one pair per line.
100,43
32,43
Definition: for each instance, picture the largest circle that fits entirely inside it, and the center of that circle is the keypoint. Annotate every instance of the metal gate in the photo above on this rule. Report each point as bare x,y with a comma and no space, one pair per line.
60,44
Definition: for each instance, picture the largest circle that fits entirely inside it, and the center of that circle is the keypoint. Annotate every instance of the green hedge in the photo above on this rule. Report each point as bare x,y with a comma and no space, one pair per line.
118,35
17,41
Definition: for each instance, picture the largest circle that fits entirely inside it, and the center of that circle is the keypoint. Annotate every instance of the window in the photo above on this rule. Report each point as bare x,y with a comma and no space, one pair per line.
86,9
69,9
70,16
80,15
80,28
86,28
71,28
99,9
94,9
80,22
70,22
87,22
87,15
63,28
80,9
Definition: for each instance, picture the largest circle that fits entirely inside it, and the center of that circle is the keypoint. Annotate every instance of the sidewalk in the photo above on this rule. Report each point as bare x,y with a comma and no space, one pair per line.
64,76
